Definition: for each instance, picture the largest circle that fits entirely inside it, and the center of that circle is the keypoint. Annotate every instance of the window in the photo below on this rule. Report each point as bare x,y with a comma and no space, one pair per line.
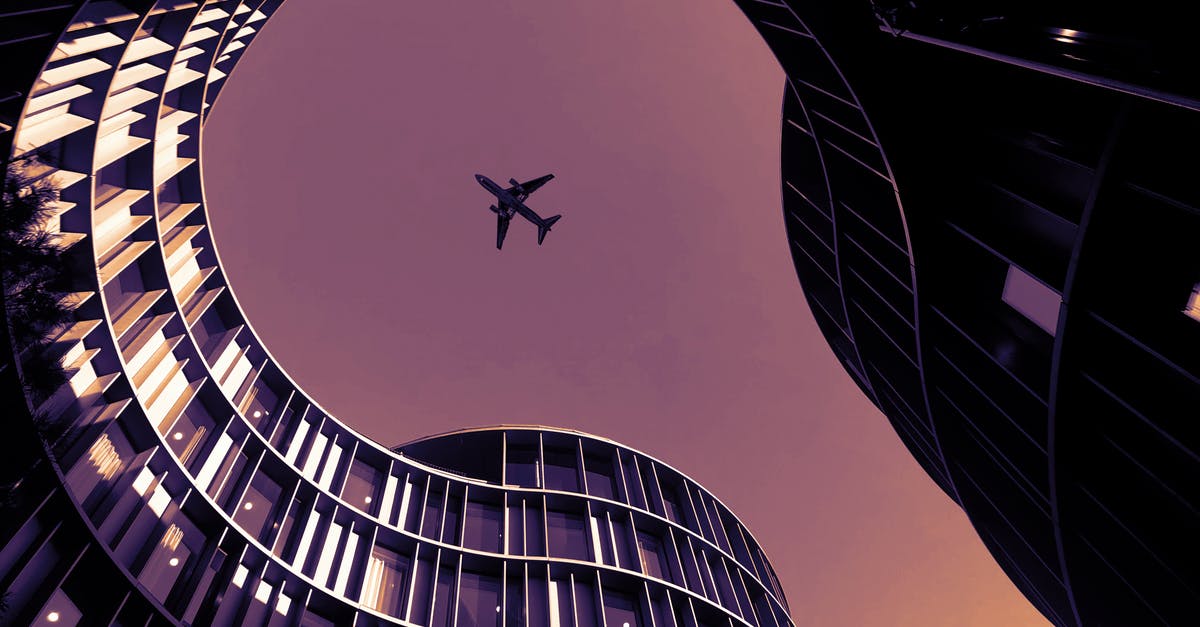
654,558
620,610
385,581
478,600
600,477
560,471
1193,304
362,486
187,435
565,535
254,512
1032,298
521,467
482,528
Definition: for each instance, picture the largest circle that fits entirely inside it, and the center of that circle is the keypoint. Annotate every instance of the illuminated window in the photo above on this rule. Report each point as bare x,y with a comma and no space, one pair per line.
1193,304
385,582
1032,298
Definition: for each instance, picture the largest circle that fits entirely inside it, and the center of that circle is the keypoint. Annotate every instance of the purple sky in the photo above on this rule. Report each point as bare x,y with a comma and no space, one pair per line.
662,311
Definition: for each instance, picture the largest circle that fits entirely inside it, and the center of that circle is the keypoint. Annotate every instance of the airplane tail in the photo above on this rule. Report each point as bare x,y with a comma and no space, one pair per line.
544,227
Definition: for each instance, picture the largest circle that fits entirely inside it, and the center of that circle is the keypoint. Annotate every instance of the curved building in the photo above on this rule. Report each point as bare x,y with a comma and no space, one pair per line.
992,212
192,482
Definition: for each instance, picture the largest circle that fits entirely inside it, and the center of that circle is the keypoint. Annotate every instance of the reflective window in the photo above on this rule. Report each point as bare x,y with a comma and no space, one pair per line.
602,540
1193,304
654,557
585,604
620,610
432,523
623,540
1031,297
600,477
385,582
566,536
450,528
59,610
633,483
561,473
170,555
482,528
187,435
521,466
422,591
561,614
535,534
254,512
443,597
362,486
478,600
538,600
514,600
515,544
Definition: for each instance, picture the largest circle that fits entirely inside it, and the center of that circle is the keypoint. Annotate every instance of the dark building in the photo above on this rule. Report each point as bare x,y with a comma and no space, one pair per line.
180,476
993,213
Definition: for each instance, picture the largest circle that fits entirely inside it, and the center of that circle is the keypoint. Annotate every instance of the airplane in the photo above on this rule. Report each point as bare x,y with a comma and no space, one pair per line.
512,201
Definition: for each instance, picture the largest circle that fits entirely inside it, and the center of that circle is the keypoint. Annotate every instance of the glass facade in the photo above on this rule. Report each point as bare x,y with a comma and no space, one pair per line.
992,219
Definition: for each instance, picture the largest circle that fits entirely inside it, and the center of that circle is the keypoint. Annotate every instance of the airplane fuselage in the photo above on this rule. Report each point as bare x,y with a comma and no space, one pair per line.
508,201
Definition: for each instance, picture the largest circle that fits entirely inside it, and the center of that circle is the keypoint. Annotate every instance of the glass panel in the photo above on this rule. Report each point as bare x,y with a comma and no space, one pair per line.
585,605
170,556
566,536
186,437
561,614
521,467
443,597
602,546
223,487
671,500
478,600
600,477
633,483
538,601
514,600
627,557
285,529
482,529
654,558
450,527
516,529
535,535
254,512
385,582
362,486
620,610
59,610
432,522
411,505
422,590
1032,298
560,469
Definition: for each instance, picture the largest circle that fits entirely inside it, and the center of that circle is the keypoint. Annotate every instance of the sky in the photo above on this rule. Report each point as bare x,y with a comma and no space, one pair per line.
662,311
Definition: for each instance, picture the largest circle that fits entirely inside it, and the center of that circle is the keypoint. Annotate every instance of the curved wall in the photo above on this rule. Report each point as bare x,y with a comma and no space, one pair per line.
992,214
198,484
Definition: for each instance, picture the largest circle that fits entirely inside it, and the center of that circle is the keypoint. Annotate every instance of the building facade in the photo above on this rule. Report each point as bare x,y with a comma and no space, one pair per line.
992,213
194,483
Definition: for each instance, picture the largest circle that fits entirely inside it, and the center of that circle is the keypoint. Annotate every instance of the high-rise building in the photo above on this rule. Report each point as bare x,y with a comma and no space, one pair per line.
993,213
185,478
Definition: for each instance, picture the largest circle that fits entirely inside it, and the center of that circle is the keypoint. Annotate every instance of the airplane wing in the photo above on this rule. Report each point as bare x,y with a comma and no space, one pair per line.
529,187
501,229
